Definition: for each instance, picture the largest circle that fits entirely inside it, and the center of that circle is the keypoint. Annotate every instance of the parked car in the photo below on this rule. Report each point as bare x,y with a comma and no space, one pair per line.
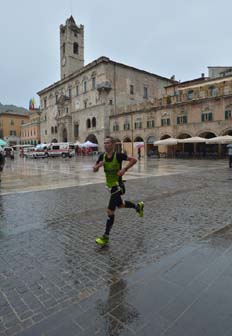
8,152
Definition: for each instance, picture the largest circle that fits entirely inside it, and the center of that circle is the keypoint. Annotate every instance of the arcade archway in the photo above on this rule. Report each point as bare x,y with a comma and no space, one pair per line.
186,149
92,138
227,132
151,149
138,147
127,146
184,136
207,150
166,151
165,136
118,145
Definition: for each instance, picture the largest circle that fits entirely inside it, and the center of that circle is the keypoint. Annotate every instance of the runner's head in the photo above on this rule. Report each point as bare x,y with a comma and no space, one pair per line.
109,144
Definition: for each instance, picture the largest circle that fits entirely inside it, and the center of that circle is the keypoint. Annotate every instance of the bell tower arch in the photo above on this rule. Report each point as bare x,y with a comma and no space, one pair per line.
71,47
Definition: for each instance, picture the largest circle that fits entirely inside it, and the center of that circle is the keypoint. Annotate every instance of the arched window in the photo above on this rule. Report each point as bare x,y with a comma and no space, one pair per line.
55,129
63,47
88,123
94,123
52,129
75,48
190,94
85,86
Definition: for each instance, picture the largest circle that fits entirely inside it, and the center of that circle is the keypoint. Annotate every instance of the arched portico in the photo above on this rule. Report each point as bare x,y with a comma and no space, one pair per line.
151,150
139,146
184,136
207,150
227,131
186,148
127,146
92,138
165,136
207,134
89,149
166,151
118,145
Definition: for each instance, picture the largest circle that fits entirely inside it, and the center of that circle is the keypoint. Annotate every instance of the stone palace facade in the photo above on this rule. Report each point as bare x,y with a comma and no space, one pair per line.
200,107
106,97
78,107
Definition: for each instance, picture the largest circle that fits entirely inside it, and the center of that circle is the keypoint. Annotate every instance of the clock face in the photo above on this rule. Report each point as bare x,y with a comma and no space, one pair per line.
63,62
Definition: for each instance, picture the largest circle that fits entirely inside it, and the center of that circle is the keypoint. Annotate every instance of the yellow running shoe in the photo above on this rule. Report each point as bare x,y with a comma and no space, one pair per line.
102,241
139,208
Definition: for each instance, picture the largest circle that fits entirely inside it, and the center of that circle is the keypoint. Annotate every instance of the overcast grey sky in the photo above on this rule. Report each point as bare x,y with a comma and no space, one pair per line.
180,37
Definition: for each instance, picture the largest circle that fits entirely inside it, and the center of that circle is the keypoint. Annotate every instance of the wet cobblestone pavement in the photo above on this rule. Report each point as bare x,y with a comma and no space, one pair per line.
49,262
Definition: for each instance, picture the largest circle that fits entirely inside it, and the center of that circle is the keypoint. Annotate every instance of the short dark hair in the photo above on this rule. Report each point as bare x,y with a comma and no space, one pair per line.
111,138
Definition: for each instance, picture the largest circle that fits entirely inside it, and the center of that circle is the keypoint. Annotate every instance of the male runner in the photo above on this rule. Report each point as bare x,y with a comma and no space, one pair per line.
112,163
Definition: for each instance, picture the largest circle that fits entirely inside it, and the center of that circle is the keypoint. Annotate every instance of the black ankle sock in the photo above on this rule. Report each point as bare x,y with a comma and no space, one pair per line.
130,205
109,224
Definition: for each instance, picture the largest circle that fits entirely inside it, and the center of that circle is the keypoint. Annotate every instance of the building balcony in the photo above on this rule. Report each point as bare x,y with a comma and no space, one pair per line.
197,97
104,86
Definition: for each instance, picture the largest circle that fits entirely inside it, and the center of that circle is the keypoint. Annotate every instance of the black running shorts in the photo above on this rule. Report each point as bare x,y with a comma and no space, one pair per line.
115,198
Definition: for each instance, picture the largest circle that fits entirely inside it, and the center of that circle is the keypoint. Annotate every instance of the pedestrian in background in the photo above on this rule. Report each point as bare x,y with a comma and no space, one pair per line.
230,154
2,162
139,153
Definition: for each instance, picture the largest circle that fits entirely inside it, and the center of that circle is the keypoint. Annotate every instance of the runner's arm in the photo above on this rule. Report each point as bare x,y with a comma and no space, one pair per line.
132,162
99,163
97,166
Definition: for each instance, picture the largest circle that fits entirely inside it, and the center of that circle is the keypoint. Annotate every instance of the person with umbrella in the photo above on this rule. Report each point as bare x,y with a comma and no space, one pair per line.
139,153
230,154
112,163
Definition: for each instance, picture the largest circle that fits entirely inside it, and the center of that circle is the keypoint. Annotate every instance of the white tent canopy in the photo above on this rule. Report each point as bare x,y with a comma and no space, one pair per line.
173,141
223,139
166,142
88,144
77,143
192,140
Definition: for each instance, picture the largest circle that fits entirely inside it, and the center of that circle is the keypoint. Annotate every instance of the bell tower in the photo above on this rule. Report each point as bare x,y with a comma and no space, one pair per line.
71,47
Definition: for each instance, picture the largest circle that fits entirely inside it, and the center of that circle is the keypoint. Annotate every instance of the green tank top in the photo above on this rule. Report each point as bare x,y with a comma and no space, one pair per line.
111,169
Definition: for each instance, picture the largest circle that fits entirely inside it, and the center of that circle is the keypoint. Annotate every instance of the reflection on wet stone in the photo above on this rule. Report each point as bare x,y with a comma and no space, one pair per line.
48,258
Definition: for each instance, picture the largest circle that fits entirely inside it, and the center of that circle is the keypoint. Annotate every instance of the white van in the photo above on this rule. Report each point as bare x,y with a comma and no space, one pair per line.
64,149
40,151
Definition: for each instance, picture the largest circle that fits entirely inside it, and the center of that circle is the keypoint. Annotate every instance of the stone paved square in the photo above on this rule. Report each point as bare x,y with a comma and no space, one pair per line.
48,257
